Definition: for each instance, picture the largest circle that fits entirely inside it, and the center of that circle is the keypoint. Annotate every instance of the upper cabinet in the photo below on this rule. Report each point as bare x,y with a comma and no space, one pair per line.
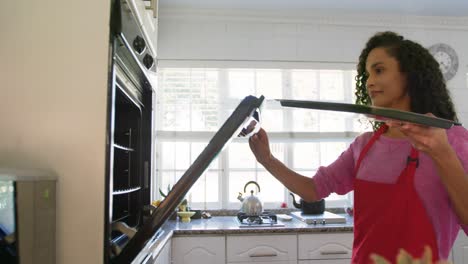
147,15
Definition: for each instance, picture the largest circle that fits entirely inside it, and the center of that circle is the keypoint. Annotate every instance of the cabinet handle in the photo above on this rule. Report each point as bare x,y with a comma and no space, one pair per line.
263,255
336,252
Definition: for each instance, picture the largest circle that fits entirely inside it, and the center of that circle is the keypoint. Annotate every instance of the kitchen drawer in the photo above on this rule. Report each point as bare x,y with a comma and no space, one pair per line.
262,248
325,246
198,249
325,261
271,262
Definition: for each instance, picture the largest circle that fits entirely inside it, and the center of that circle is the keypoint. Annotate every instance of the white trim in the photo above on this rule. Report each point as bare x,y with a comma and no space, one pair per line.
275,137
224,190
257,64
317,17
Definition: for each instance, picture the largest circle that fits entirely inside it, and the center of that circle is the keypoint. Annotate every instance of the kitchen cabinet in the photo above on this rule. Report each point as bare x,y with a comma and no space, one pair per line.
460,249
261,249
327,261
311,248
164,256
325,248
198,249
265,262
147,16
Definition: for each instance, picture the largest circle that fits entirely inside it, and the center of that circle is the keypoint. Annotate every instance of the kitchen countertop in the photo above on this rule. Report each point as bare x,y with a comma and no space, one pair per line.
230,225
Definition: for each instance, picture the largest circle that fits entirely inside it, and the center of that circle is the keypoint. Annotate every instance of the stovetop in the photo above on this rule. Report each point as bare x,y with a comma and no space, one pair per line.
266,219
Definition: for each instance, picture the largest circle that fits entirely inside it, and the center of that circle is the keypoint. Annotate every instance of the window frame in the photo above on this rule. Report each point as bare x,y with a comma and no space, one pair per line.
275,137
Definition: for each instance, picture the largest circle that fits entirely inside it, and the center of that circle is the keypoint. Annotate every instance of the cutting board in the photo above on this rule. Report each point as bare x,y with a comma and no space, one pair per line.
330,218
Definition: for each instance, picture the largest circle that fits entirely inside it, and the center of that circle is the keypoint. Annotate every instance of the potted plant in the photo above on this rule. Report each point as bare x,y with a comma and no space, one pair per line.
182,207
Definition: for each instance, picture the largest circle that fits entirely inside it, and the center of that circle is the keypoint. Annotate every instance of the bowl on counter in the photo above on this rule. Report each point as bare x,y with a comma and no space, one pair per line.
185,216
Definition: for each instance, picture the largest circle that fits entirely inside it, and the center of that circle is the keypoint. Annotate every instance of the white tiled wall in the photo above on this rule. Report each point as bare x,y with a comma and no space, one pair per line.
190,35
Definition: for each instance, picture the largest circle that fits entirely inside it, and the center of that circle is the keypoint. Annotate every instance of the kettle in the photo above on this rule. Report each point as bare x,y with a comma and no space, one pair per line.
251,204
317,207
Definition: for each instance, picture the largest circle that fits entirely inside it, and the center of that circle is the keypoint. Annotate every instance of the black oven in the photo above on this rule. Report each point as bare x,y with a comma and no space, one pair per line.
129,130
131,229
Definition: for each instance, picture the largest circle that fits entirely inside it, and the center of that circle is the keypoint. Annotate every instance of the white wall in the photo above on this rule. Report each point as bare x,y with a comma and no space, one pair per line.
53,73
53,84
251,37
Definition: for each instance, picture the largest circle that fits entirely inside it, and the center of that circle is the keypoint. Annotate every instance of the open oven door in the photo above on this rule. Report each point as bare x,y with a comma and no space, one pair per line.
244,121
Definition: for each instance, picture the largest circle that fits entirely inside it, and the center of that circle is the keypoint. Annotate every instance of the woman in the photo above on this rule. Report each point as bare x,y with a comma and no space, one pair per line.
410,181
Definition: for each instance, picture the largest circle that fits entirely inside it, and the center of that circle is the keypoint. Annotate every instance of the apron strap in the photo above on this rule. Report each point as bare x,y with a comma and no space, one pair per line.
369,144
413,158
412,162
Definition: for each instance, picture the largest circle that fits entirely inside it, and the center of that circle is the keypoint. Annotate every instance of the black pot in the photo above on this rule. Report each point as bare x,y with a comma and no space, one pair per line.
197,214
317,207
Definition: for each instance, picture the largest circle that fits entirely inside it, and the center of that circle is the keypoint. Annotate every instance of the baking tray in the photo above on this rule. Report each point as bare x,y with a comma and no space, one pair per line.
378,113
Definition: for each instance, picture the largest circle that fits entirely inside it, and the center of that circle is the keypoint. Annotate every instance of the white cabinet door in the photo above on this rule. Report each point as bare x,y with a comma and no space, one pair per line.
325,261
325,246
261,248
164,256
198,249
460,249
267,262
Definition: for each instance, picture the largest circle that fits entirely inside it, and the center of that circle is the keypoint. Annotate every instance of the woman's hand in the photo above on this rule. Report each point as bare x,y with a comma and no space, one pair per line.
430,140
433,141
260,146
296,183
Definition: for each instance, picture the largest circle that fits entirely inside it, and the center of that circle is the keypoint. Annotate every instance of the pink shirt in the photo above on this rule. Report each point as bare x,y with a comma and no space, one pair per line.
384,163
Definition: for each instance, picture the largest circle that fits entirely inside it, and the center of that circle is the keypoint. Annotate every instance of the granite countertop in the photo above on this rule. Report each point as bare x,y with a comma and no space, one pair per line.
230,225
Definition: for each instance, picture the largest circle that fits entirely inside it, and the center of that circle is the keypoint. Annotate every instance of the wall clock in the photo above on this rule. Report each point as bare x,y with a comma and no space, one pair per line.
447,59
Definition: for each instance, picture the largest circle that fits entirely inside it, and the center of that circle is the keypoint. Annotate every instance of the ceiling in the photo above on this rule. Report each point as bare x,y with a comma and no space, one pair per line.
399,7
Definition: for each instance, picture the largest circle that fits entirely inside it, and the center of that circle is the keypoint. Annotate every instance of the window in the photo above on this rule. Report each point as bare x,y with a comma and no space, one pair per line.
192,104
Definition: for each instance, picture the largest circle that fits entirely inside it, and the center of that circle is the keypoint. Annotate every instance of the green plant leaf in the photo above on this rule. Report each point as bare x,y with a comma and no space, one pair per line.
169,189
162,194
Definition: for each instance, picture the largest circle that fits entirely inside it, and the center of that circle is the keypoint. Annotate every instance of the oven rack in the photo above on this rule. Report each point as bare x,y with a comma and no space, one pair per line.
121,218
125,191
117,146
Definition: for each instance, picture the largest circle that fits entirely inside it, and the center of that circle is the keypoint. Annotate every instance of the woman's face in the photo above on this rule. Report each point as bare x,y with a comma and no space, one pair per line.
386,85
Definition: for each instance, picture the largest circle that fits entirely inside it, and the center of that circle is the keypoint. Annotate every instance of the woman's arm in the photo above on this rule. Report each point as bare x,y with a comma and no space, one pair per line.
455,180
299,184
434,142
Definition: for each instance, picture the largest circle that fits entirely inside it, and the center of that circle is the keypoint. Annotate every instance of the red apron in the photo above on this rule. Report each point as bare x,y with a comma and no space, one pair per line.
388,217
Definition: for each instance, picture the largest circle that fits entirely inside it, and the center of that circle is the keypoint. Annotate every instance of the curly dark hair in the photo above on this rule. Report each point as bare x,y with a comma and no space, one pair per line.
425,83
